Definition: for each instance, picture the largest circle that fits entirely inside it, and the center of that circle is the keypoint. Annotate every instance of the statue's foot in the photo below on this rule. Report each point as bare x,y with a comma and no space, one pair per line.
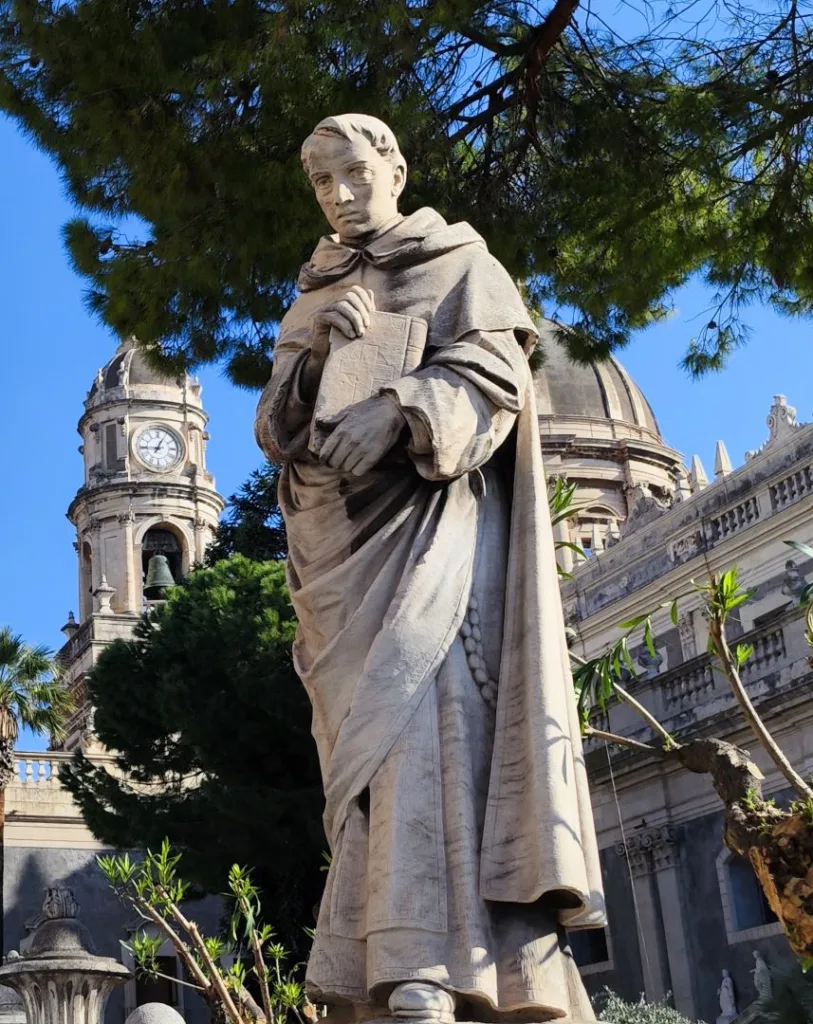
420,1000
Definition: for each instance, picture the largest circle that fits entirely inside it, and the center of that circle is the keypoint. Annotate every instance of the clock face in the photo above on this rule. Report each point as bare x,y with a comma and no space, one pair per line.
158,447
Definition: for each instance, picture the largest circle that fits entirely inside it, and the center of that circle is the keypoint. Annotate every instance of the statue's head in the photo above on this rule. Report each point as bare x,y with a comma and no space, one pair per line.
357,172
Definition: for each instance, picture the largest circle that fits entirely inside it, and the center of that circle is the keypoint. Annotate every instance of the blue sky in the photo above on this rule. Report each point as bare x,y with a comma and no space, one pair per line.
50,349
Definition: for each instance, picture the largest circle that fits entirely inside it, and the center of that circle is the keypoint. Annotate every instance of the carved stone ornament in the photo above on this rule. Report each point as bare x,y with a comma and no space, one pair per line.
60,978
644,507
781,423
684,548
650,850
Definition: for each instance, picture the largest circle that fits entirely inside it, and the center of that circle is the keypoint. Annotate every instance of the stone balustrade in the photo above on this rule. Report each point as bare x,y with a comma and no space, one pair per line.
40,769
698,687
688,684
792,488
695,690
732,520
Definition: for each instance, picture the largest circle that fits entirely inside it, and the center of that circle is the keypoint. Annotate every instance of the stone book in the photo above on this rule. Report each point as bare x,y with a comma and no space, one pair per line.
358,368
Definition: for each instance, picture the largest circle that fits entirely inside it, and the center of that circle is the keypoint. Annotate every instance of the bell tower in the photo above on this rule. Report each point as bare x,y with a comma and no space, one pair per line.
145,514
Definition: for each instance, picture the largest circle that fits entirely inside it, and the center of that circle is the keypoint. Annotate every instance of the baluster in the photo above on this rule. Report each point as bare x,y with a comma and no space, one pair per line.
29,771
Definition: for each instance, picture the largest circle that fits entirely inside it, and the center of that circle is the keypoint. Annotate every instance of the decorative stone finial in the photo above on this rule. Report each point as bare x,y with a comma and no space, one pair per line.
104,595
60,978
722,462
697,475
781,422
59,903
70,626
781,419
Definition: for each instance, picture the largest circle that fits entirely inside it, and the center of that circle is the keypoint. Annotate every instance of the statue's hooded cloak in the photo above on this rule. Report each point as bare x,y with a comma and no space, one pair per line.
380,567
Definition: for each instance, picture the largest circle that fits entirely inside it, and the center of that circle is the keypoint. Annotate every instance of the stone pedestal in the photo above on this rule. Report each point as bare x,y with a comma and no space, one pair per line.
60,980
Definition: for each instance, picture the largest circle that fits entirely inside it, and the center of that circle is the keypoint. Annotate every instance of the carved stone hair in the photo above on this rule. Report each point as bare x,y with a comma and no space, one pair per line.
345,126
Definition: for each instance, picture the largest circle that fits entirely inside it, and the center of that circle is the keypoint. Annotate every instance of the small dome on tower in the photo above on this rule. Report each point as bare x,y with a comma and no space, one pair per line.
129,367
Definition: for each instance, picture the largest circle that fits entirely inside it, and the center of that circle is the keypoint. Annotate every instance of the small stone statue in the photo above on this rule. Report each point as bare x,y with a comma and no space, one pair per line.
793,582
651,664
728,1000
763,982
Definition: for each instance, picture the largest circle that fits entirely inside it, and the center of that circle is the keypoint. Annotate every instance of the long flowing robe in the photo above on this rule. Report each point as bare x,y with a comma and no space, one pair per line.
462,837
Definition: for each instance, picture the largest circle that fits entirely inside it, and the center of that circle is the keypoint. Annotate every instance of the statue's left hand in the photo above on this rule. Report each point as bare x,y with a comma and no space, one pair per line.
364,436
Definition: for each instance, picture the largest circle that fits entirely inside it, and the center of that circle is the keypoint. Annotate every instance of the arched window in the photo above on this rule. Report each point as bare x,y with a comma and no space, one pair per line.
751,908
161,541
85,581
746,911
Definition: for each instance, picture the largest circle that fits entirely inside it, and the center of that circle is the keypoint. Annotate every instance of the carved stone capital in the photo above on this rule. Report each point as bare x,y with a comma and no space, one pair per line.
650,850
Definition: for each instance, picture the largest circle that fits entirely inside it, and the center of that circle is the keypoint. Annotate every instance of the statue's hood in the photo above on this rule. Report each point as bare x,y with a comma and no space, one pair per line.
421,236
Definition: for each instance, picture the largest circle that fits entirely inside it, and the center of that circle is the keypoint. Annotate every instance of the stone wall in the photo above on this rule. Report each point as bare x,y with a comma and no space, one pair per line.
48,843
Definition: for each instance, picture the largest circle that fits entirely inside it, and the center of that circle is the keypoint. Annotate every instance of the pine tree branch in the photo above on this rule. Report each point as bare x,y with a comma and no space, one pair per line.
548,34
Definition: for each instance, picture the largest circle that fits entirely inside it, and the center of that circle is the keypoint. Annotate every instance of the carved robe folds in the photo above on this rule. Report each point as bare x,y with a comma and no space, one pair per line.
462,838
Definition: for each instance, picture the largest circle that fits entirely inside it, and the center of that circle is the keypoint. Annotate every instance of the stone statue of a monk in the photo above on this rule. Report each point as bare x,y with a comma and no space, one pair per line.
431,638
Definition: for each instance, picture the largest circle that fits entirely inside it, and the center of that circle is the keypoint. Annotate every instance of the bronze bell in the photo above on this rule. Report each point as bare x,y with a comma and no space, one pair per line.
159,578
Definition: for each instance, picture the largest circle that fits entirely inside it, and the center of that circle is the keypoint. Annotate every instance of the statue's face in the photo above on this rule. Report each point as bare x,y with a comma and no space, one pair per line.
356,187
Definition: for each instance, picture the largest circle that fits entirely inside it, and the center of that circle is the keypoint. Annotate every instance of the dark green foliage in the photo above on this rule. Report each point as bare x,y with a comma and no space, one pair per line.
603,165
252,524
204,702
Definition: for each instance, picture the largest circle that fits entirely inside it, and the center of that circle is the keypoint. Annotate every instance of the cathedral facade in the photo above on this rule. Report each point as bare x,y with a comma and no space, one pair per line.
682,909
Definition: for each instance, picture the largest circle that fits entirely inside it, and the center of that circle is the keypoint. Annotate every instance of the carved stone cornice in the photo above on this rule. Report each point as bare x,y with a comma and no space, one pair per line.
650,850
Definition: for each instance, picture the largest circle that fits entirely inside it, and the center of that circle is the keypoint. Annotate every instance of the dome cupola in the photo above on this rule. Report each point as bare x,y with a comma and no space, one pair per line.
598,431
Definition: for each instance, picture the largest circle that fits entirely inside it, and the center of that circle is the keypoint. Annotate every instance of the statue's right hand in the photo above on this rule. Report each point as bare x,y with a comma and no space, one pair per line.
350,314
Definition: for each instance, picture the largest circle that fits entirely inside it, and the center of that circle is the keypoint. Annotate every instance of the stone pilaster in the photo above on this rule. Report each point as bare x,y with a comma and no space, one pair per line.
653,855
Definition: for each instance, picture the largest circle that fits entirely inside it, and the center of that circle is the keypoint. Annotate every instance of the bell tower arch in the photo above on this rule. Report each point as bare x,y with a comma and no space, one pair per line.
145,513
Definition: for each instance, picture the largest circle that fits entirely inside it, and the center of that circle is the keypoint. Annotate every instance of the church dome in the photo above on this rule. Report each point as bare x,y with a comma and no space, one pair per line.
569,393
598,431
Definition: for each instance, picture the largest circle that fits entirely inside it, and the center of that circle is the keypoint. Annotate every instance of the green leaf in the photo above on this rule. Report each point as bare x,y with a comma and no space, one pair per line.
649,639
673,612
804,549
632,623
560,544
627,656
743,652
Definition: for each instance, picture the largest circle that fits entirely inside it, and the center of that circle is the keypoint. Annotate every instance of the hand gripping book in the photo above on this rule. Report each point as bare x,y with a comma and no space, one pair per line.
358,368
